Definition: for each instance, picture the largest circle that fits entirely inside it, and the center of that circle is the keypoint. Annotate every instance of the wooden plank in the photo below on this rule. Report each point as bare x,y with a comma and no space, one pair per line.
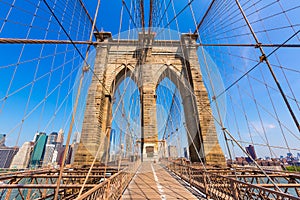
154,182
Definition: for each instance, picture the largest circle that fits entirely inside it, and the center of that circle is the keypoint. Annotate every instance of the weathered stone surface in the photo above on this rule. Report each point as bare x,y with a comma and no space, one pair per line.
147,65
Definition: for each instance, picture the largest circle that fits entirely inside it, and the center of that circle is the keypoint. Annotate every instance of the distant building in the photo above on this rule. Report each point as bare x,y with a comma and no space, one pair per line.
49,151
38,150
73,150
54,157
289,155
172,151
2,140
60,137
290,158
76,138
59,149
21,159
35,135
52,138
186,152
60,154
50,148
281,157
251,151
6,156
73,147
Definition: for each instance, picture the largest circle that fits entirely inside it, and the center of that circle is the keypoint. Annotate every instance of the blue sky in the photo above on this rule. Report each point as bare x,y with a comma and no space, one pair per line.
45,104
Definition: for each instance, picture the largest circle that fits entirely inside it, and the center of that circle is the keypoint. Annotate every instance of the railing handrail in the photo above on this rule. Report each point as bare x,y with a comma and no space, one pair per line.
100,185
106,182
232,180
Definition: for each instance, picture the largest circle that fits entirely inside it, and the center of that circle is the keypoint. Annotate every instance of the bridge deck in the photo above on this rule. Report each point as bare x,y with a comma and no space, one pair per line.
154,182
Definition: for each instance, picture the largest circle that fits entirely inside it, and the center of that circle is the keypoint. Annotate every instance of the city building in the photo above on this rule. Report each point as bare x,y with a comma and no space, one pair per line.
60,154
172,151
35,135
38,150
76,138
54,157
289,155
186,152
52,137
21,159
74,147
60,137
73,150
50,148
251,151
6,156
2,140
49,152
59,149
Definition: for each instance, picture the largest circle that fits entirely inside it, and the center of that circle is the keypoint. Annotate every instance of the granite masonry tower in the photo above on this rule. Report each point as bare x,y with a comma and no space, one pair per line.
148,61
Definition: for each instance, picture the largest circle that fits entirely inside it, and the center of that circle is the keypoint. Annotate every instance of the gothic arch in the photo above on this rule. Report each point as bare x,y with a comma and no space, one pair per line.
193,129
121,73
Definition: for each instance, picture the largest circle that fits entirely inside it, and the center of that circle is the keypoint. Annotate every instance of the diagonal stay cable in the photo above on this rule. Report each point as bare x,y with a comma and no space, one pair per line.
76,48
64,30
88,14
206,13
245,74
163,15
128,11
179,13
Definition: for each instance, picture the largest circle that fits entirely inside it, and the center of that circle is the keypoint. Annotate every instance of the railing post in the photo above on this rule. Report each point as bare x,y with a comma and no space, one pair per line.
189,172
107,192
234,190
10,190
174,168
181,170
205,185
29,190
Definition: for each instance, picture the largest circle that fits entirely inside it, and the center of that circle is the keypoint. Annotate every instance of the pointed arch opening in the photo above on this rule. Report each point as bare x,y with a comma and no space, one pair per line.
125,117
178,123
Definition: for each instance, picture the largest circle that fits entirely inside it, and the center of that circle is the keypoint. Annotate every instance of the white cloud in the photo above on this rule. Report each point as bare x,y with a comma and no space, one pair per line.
270,126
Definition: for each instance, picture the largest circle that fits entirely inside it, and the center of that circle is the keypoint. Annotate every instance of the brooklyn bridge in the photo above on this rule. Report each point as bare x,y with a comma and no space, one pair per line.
149,99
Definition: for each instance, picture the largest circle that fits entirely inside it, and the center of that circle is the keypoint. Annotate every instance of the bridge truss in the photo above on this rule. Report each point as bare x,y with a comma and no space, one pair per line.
248,54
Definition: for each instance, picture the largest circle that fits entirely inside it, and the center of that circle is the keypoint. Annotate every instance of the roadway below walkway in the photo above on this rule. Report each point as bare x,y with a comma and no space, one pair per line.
153,182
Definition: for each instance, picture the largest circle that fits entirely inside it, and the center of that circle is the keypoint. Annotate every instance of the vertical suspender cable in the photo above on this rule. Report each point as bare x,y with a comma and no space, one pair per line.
85,68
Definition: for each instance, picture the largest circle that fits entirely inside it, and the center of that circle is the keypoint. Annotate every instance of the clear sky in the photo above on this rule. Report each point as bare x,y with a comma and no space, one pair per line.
39,82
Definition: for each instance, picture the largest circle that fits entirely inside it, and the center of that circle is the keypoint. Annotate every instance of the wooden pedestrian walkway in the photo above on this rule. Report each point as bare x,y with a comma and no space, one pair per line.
154,182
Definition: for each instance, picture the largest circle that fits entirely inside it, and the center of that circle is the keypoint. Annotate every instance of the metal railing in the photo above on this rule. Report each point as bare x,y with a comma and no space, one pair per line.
113,187
104,182
222,185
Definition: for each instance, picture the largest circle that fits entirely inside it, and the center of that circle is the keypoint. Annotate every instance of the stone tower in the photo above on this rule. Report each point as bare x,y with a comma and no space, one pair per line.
148,61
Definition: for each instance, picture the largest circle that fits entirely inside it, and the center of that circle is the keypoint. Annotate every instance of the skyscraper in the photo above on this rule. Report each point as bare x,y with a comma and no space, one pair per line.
38,150
2,140
49,148
59,149
52,137
6,156
73,149
76,138
185,152
60,137
251,151
49,151
21,159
